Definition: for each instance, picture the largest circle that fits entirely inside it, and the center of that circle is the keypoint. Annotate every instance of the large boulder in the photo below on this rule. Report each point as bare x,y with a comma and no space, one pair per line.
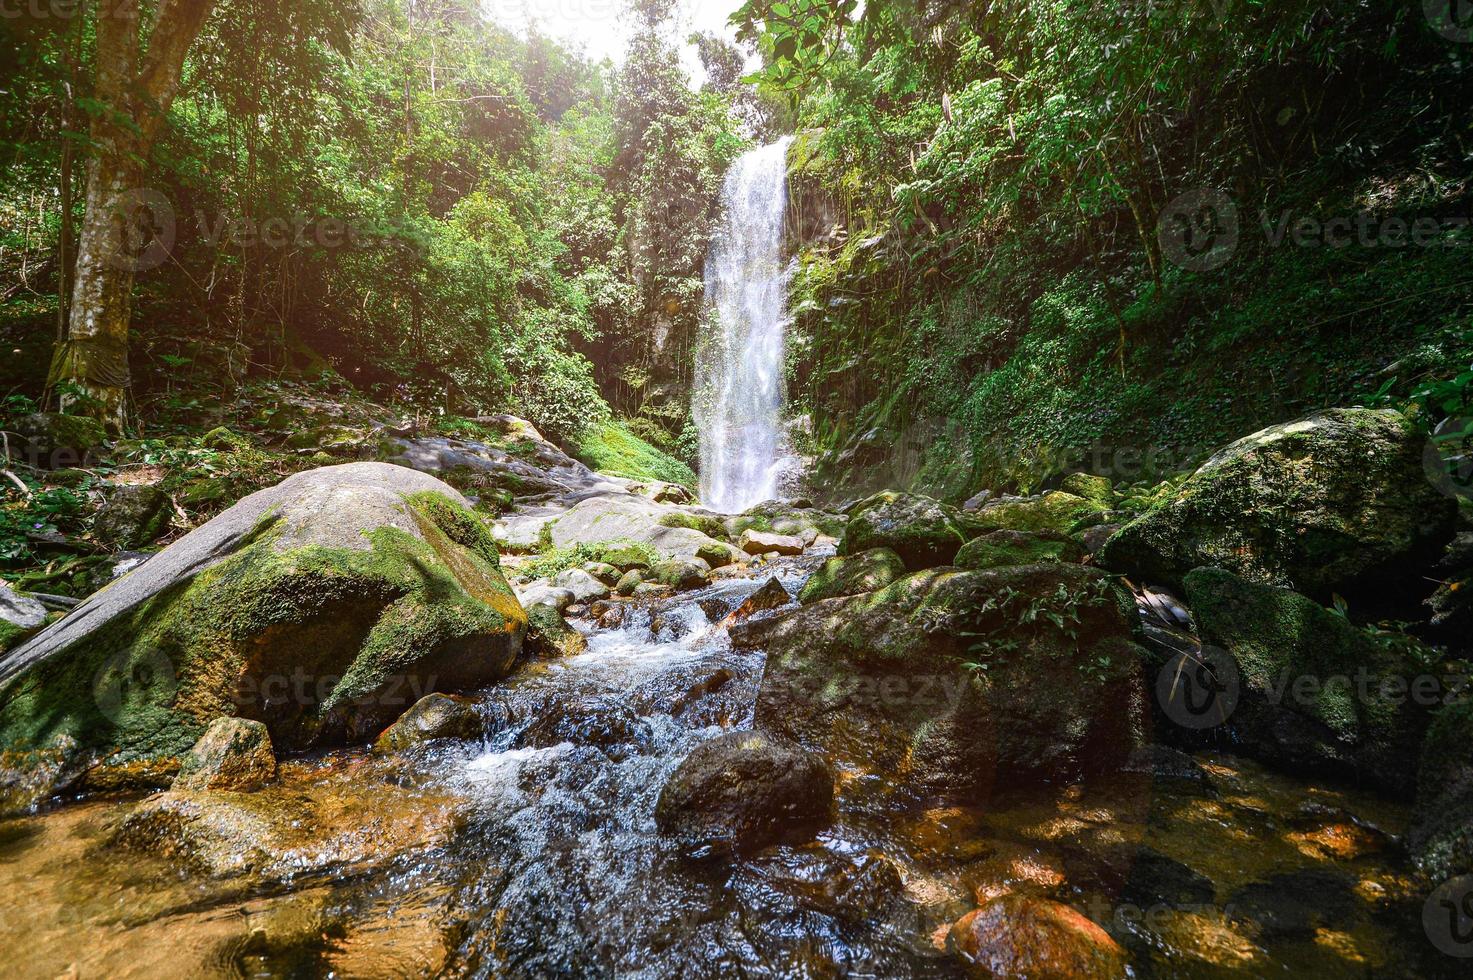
744,791
1056,512
867,571
321,607
754,542
608,515
998,549
1312,692
948,680
1335,502
924,532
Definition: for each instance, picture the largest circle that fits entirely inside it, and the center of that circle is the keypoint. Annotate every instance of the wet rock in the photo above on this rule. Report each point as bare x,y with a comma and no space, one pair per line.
20,617
604,723
133,517
585,587
544,593
432,717
314,607
1001,548
882,682
549,636
608,615
232,754
699,690
719,554
771,596
867,571
1157,880
1094,538
1057,512
1296,904
715,609
924,532
628,583
1166,765
1317,693
652,590
55,441
757,543
1020,936
1337,502
682,573
743,791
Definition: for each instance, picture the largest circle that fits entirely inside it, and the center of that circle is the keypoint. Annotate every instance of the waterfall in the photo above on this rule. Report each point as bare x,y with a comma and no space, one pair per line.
738,397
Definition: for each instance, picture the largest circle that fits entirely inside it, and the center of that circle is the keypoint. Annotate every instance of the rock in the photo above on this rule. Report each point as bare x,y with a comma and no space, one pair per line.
976,503
1094,538
682,573
719,554
652,590
1316,694
1337,502
1452,612
1296,903
223,440
1058,512
133,517
1441,838
604,572
432,717
1166,765
606,723
20,616
757,543
626,557
321,607
1096,489
544,593
1021,936
54,441
549,636
924,532
584,587
605,516
629,583
771,596
864,572
608,615
671,493
1001,548
232,754
743,791
881,681
1157,880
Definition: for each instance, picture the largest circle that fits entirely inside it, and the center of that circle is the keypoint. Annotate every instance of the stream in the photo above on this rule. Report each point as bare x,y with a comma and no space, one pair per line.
535,854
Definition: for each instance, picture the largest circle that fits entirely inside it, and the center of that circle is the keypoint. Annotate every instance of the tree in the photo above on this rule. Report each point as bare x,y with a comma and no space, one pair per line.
137,78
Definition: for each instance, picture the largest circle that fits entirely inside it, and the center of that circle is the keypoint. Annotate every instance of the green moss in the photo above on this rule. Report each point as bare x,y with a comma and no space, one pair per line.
1001,548
864,572
10,635
711,527
224,440
622,554
609,447
1059,512
459,524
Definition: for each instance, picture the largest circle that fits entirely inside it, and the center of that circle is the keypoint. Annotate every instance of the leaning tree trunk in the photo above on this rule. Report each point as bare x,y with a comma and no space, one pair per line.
135,86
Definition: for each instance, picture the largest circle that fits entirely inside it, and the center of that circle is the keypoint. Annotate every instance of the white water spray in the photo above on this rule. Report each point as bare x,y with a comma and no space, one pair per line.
738,396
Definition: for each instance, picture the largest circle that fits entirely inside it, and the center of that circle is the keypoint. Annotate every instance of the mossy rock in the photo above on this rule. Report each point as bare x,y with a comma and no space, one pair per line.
1441,838
719,554
57,441
223,440
999,549
711,527
1318,694
1096,489
549,636
681,573
951,682
840,576
321,607
432,718
1056,512
134,517
924,532
1338,502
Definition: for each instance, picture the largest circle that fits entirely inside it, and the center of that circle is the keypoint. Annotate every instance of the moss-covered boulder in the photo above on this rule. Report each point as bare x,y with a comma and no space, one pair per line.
719,554
1096,489
1056,513
1315,693
947,680
549,636
1335,502
133,517
681,573
54,441
924,532
853,574
1441,838
322,607
743,791
999,549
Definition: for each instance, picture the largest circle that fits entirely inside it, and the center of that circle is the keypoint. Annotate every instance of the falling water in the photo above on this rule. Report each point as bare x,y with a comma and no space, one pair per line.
739,364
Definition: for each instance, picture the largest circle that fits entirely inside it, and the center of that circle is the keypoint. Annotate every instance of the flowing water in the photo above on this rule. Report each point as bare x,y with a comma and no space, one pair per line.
738,397
535,854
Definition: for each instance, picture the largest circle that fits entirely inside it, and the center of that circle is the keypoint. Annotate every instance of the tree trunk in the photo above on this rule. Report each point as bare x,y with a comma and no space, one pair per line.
136,87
